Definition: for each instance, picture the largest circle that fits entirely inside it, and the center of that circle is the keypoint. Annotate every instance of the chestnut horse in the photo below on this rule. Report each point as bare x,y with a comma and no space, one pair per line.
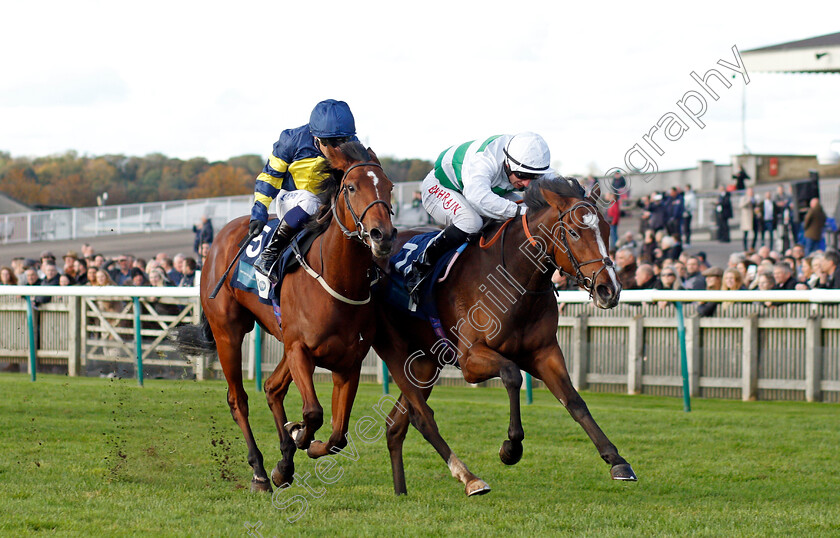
501,315
327,318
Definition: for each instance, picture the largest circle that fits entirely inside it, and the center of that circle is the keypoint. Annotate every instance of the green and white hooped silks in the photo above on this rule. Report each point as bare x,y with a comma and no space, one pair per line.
468,183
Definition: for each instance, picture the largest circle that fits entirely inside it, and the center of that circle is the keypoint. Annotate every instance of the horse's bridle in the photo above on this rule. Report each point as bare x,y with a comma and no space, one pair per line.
588,283
360,234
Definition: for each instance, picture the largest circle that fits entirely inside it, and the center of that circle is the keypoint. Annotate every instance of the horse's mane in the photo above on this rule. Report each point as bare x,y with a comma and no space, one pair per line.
563,186
331,182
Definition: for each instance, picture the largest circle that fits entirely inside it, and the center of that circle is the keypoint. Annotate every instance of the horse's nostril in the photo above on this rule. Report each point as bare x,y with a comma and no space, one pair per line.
394,234
603,291
376,234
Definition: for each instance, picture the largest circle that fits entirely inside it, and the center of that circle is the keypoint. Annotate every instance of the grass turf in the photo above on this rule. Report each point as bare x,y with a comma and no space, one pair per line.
94,456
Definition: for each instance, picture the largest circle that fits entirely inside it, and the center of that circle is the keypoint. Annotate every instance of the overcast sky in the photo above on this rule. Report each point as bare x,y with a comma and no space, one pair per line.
216,80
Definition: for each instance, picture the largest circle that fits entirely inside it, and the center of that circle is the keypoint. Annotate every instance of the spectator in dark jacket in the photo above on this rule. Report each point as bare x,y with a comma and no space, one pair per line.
646,252
80,267
51,276
830,269
783,275
694,280
740,179
203,233
189,273
658,209
645,277
674,213
723,212
714,279
813,224
175,274
626,262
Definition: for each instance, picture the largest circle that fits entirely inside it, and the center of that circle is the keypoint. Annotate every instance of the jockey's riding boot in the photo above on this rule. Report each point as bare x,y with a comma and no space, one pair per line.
451,237
268,257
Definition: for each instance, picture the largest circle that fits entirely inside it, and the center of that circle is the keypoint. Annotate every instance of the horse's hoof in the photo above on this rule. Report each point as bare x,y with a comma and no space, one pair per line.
622,471
317,449
261,485
510,453
279,480
477,487
294,429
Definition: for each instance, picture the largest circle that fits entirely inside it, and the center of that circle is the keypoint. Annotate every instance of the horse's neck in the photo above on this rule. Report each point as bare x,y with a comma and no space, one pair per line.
505,276
524,261
343,262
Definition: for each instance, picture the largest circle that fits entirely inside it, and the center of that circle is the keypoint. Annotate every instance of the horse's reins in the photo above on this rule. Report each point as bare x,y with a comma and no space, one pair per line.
360,235
588,283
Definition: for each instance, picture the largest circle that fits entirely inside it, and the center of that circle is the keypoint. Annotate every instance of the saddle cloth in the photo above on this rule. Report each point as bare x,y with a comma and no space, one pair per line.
244,278
397,294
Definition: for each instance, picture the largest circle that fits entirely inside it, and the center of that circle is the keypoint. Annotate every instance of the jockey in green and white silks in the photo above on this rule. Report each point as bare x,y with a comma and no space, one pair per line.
477,180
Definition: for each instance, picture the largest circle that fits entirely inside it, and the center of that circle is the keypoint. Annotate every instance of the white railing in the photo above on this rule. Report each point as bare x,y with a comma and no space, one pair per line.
745,351
70,224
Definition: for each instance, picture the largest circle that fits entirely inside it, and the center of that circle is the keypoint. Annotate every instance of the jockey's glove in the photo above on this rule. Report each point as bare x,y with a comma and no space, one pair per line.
255,227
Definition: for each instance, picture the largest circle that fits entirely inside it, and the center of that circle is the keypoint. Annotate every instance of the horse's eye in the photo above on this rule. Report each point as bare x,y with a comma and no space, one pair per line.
351,188
574,234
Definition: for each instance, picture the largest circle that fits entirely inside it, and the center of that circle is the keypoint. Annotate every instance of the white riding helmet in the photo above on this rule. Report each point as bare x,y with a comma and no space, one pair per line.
528,153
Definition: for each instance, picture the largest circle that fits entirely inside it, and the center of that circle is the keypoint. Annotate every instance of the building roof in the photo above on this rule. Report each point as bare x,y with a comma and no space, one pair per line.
828,40
819,54
10,205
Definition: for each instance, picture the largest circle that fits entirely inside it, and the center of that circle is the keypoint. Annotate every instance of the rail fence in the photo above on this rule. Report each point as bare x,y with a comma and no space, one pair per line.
76,223
747,350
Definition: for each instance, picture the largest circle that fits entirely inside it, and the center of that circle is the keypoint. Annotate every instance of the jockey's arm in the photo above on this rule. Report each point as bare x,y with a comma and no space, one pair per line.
478,191
270,180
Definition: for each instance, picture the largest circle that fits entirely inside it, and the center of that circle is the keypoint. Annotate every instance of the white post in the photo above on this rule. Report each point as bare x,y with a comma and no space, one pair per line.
580,359
692,344
749,365
635,344
813,359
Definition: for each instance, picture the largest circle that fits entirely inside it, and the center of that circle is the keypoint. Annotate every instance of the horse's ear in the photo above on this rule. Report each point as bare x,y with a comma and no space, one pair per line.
553,199
336,157
373,156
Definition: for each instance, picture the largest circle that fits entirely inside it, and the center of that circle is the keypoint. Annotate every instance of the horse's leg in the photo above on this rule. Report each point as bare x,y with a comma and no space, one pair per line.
344,393
423,418
398,421
276,388
229,348
481,364
302,368
550,366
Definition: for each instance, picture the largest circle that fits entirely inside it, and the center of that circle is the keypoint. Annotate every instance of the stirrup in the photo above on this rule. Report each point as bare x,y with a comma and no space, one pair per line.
265,281
415,280
263,284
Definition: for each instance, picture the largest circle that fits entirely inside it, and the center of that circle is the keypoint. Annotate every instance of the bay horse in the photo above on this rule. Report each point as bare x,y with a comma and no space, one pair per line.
500,316
327,316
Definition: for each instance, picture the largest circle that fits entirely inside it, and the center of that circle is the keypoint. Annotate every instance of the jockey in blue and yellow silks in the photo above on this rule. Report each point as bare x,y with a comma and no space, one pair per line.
293,171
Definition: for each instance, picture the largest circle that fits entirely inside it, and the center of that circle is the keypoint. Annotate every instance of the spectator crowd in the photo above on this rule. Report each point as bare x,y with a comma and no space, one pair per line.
656,257
90,268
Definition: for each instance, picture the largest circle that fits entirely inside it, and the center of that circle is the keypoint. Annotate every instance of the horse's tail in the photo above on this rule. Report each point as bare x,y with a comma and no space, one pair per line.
195,339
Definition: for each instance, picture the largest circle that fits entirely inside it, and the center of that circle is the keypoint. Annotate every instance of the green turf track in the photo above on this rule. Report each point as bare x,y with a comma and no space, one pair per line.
106,457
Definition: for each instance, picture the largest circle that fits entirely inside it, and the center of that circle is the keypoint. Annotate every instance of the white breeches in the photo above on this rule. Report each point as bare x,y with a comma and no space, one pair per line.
449,207
286,200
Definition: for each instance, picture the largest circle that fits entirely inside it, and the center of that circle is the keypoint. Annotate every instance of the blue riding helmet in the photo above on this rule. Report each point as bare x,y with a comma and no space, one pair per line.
332,119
